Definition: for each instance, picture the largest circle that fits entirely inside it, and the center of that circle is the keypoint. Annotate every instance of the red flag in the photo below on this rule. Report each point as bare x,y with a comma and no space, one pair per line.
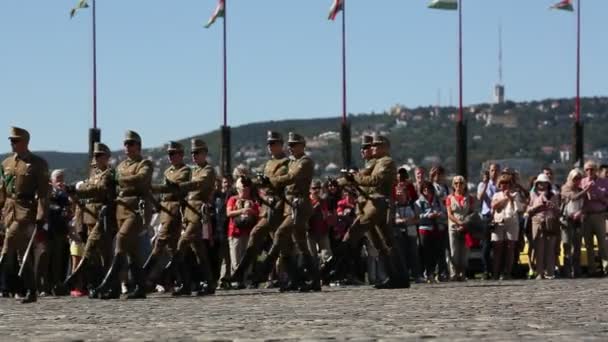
336,7
565,5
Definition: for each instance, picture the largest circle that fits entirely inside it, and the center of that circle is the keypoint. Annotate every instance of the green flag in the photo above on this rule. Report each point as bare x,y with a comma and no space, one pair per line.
219,12
81,4
444,4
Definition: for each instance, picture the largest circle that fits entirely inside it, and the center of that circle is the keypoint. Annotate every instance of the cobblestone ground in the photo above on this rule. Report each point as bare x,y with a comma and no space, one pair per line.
510,310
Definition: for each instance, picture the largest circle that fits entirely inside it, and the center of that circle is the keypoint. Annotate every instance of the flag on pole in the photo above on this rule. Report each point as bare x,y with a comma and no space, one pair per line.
336,7
220,10
565,5
444,4
81,4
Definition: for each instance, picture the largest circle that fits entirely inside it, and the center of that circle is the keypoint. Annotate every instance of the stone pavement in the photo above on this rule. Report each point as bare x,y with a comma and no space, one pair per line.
475,310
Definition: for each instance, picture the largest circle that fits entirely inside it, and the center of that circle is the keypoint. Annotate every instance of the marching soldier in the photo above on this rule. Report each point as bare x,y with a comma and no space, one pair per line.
374,215
97,195
199,189
343,261
24,191
170,206
297,212
134,177
272,213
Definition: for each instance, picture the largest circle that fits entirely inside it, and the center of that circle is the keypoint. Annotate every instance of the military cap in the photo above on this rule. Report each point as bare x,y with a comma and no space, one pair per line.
132,136
366,140
295,138
19,133
99,148
273,137
380,140
198,145
174,146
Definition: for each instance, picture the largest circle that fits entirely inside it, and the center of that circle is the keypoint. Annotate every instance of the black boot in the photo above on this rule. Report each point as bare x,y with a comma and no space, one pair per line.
139,292
110,286
185,275
312,269
265,268
29,281
398,277
294,277
210,280
239,274
149,265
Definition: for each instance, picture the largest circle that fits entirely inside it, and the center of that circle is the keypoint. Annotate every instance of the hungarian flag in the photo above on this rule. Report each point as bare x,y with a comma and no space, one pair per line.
444,4
565,5
219,13
336,7
81,4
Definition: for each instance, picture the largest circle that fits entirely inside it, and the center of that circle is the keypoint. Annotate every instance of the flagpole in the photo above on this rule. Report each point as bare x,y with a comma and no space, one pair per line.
225,129
94,133
578,126
461,135
345,126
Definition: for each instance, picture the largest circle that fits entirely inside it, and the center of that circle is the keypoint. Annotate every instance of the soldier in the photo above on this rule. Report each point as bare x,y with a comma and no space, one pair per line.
172,200
134,177
343,263
96,201
24,191
297,212
374,216
199,189
272,213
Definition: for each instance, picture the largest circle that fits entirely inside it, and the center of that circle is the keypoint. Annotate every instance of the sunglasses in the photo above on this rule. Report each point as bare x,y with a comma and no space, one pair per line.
590,169
458,183
97,155
173,153
363,148
315,188
129,143
14,140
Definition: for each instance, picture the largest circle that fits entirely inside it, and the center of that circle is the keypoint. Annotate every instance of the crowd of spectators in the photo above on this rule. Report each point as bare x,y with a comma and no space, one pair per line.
439,222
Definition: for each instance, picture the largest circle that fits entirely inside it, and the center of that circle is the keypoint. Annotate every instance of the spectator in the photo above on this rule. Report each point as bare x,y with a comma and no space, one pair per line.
572,213
318,235
459,205
346,212
603,171
332,196
242,212
505,207
485,192
222,263
594,211
406,220
442,191
420,178
543,211
430,211
403,181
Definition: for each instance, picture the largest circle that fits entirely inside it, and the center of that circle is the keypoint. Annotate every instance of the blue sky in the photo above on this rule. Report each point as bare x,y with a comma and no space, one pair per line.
160,70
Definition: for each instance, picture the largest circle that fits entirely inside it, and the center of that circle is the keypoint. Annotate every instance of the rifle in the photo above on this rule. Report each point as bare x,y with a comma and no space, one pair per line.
348,175
28,251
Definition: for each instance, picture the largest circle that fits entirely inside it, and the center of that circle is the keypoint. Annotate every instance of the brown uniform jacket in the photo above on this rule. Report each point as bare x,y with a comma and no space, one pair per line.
97,191
297,179
273,168
24,188
199,189
381,179
134,178
171,200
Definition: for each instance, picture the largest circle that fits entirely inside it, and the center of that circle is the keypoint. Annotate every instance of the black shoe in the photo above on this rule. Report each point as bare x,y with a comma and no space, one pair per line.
110,282
30,297
110,294
206,291
239,274
81,268
181,291
60,290
384,285
138,293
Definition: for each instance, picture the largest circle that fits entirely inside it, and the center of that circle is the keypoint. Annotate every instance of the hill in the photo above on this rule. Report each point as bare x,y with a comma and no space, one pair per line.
527,133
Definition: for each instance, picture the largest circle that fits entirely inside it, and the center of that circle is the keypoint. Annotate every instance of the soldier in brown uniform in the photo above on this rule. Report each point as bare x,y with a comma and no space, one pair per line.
96,196
272,213
134,177
199,189
172,200
298,211
345,254
24,191
374,218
